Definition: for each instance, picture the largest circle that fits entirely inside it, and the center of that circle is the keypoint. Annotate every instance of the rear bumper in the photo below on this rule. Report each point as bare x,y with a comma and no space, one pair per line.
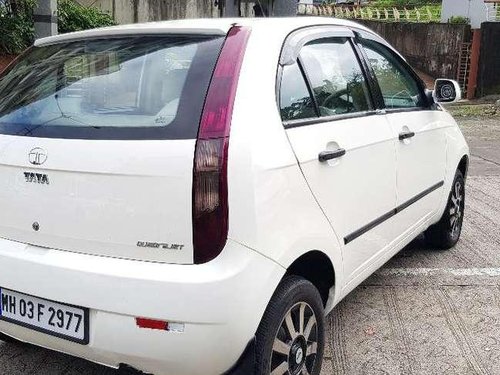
220,303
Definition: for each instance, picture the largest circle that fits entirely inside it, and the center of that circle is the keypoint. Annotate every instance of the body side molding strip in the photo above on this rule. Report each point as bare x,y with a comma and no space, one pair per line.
351,237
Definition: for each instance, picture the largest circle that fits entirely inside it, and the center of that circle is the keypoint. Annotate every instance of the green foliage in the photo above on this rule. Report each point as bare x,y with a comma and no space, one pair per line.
76,17
392,10
395,3
16,25
474,110
459,20
404,3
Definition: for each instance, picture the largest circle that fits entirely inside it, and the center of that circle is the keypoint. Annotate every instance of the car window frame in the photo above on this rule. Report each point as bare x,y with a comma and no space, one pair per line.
377,91
323,35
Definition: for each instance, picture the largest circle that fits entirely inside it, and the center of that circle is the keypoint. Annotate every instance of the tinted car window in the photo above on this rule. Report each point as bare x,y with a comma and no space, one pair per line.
296,103
399,88
143,86
336,77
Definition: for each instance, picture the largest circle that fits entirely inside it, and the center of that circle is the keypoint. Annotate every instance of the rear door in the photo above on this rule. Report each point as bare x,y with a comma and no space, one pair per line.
345,150
421,145
97,141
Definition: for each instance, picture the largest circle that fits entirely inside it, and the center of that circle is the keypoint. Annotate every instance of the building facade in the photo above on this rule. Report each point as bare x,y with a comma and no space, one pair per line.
477,11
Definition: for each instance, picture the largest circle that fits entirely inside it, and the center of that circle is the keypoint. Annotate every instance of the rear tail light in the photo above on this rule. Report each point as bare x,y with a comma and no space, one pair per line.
210,206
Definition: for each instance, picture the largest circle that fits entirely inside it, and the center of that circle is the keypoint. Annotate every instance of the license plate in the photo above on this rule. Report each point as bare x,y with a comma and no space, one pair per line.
56,319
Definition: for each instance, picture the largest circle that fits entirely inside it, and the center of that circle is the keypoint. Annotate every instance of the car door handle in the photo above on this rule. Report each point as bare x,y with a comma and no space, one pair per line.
406,135
329,155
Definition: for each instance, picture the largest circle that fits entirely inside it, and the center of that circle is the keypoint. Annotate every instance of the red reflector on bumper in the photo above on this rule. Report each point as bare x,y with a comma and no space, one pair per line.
151,324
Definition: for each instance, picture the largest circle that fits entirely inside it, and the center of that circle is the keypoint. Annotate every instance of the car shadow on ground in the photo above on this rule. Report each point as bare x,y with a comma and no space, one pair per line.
21,358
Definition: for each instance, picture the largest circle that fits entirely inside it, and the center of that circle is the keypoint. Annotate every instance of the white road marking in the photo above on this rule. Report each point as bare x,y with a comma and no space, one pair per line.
490,272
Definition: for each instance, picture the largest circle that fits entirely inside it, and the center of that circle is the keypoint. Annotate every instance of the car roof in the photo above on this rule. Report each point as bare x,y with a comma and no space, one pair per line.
212,26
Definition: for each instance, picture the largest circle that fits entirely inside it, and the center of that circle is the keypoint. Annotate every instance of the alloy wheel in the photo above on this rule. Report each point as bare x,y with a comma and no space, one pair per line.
456,209
295,345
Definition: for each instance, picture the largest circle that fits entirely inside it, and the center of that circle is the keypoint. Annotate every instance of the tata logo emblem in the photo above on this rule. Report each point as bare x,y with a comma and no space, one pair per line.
36,178
37,156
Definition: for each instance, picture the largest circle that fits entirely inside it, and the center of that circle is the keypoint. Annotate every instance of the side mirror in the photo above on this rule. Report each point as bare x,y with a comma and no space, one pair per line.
447,91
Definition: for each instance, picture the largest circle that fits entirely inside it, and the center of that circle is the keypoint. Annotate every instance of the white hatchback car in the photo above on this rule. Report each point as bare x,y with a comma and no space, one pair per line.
192,197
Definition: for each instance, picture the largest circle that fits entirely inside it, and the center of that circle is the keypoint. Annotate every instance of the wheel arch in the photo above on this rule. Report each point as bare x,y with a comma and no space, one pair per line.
463,165
316,267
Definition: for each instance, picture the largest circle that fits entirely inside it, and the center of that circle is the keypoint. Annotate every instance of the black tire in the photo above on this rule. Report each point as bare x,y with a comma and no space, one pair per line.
446,232
294,297
126,370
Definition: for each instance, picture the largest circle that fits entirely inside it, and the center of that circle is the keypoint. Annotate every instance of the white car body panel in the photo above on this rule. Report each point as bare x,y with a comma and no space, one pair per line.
279,210
420,163
117,290
355,188
456,150
91,182
274,200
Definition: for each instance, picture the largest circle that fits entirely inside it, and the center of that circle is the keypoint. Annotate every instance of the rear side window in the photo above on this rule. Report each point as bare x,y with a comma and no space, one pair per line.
336,77
296,103
327,80
122,88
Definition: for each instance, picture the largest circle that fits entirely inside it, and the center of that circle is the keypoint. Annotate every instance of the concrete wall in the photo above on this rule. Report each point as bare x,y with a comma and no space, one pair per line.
276,8
489,60
475,10
430,47
131,11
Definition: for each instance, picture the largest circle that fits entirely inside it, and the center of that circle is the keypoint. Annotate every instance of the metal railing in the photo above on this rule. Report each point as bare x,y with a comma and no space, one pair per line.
388,14
492,11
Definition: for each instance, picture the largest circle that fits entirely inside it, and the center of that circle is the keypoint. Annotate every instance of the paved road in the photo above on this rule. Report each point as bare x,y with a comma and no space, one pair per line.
428,311
425,312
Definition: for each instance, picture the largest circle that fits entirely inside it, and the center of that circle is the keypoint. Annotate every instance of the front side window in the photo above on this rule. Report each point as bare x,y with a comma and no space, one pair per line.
142,85
399,88
336,77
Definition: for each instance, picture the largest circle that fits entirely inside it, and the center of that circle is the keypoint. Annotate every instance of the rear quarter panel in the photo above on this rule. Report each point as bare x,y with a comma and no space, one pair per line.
271,208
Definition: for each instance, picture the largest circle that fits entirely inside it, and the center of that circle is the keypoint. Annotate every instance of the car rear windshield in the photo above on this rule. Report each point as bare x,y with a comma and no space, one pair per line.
146,87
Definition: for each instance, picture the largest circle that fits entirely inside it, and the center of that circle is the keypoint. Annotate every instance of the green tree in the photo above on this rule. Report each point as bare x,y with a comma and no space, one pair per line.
16,25
76,17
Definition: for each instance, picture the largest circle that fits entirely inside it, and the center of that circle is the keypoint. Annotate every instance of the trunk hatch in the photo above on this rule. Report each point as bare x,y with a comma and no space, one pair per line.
97,140
114,198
